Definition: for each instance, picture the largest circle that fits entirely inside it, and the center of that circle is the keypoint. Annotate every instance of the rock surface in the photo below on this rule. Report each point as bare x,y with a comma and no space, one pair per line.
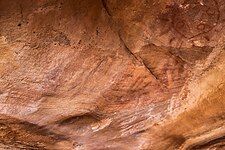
112,74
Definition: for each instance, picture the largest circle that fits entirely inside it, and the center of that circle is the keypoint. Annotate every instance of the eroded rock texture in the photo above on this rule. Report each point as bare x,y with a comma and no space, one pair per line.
112,74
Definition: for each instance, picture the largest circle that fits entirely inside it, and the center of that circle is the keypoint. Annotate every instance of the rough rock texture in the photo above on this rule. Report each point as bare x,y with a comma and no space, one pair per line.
112,74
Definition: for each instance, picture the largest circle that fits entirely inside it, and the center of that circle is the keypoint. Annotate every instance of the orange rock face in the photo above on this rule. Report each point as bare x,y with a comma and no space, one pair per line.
110,74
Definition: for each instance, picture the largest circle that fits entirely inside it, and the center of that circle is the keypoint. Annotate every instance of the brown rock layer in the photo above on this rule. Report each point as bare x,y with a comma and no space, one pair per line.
110,74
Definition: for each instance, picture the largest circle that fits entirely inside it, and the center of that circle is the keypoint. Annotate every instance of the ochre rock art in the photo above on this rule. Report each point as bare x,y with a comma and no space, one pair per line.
112,74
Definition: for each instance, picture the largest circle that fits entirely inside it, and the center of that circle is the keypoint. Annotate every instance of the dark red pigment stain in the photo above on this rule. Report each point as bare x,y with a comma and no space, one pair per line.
191,18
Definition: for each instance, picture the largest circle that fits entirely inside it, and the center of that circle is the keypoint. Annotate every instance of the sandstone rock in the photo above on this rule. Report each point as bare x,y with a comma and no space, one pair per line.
110,74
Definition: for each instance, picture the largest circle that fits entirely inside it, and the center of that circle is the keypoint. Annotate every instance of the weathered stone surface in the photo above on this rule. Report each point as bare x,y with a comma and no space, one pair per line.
110,74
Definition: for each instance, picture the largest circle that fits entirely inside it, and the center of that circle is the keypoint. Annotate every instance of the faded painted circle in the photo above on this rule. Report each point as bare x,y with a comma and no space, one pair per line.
194,17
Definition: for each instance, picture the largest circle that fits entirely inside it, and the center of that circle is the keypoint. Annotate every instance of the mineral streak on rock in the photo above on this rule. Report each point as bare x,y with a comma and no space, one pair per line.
112,74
